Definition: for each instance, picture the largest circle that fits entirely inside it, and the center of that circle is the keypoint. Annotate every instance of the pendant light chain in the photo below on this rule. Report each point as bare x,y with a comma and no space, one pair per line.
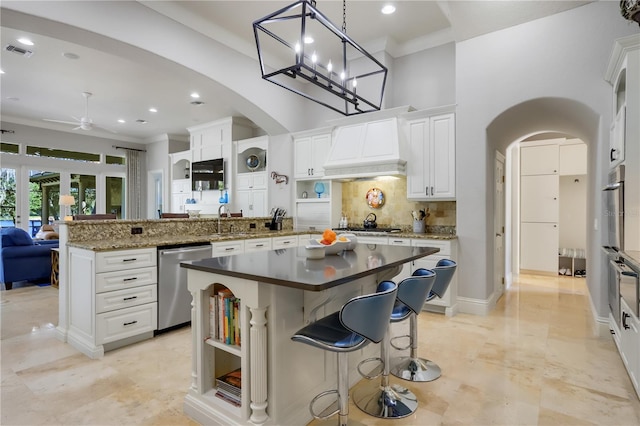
344,16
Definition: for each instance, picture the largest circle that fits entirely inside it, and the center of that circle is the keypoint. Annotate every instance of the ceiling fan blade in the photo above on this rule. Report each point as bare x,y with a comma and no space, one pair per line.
60,121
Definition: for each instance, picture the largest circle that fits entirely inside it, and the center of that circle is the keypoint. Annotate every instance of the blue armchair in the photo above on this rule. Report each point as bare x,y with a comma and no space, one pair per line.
22,258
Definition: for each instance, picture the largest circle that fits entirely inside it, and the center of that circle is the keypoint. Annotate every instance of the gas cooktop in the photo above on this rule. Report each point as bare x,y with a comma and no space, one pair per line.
378,230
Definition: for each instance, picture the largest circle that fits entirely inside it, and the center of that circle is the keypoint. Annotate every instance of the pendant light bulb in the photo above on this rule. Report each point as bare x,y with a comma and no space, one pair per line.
329,67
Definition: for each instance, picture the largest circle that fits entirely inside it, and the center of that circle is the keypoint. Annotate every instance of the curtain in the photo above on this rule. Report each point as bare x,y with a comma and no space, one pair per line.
135,160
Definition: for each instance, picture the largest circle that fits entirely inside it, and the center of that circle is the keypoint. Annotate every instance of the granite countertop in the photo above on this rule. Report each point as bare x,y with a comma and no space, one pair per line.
290,268
134,242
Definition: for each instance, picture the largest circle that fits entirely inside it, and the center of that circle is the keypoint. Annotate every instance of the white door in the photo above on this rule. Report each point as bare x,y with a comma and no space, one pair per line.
499,225
539,247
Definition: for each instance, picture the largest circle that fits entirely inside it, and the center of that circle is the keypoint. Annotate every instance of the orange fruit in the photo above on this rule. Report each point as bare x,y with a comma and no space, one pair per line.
329,235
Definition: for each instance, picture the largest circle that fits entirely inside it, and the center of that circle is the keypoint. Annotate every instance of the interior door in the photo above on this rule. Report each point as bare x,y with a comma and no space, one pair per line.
499,225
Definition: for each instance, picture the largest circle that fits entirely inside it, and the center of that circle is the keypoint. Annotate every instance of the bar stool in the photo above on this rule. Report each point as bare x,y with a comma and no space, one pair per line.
383,400
361,320
413,368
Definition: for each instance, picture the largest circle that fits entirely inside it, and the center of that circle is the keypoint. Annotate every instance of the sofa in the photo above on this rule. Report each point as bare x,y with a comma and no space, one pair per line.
23,259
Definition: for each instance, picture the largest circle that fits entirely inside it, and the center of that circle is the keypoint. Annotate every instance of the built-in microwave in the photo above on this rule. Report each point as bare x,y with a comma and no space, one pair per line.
614,210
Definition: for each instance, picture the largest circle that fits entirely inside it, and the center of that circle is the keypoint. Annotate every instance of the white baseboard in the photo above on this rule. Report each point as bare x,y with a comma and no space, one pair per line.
600,324
480,307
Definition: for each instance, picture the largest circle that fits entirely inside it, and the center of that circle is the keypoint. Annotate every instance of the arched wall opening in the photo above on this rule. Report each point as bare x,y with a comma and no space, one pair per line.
562,116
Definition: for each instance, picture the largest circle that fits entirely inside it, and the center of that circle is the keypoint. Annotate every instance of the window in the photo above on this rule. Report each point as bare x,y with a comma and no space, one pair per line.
9,148
37,151
112,159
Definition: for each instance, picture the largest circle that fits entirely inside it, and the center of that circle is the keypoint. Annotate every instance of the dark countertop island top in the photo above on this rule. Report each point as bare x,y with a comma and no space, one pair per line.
290,267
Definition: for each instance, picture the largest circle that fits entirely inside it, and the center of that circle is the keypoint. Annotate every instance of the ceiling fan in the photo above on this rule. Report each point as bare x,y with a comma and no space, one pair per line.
83,123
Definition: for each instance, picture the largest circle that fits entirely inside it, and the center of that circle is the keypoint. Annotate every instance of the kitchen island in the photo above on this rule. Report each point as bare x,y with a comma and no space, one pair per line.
278,292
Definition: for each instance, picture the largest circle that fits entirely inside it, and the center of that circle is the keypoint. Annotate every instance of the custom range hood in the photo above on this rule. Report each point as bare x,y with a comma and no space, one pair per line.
373,148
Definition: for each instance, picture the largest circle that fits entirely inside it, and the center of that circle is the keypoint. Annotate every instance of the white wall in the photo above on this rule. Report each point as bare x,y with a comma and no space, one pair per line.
573,214
425,79
280,160
561,57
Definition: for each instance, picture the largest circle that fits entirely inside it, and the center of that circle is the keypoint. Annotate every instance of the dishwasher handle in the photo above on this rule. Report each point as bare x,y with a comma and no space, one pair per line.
181,250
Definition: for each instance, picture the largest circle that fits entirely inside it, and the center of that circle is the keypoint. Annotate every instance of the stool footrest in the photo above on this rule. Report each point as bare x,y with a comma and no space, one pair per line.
379,367
401,348
415,369
325,413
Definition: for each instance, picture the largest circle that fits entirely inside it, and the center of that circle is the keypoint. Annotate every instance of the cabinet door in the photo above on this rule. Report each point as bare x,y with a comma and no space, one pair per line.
442,164
539,198
252,202
259,203
320,146
303,153
573,159
539,160
178,200
617,141
196,146
539,247
417,170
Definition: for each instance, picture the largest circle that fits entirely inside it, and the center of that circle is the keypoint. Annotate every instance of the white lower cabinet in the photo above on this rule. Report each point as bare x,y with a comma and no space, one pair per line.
448,250
113,298
630,344
225,248
448,304
257,244
284,242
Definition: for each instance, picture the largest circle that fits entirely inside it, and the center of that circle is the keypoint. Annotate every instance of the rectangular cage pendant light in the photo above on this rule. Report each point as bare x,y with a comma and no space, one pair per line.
301,50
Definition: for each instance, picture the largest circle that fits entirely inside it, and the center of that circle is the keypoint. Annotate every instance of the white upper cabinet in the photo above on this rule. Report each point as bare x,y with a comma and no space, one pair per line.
311,152
213,140
539,159
250,188
573,159
617,138
431,167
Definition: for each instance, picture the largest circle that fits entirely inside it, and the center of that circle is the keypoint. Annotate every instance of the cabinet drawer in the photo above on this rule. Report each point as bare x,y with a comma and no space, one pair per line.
127,322
399,241
444,246
121,280
125,259
284,242
119,299
257,245
229,247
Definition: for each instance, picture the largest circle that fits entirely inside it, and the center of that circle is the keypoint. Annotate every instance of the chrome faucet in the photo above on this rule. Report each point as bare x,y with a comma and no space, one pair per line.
222,206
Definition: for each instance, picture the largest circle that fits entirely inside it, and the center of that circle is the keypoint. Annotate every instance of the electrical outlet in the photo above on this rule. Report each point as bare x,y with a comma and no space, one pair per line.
136,230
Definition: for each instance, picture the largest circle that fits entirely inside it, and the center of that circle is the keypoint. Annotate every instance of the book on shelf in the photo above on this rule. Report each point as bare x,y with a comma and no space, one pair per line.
224,317
230,399
231,380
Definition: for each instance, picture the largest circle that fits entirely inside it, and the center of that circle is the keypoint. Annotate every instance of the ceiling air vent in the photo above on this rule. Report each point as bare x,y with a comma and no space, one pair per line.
18,50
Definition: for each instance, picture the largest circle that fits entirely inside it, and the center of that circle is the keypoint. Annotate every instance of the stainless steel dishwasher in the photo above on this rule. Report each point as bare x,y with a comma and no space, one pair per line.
174,299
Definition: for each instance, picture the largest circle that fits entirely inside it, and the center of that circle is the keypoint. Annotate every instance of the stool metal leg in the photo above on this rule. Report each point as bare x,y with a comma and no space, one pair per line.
382,399
343,388
413,368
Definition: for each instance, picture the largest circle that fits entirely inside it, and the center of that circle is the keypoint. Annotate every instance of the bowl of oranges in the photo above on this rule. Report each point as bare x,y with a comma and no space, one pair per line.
332,242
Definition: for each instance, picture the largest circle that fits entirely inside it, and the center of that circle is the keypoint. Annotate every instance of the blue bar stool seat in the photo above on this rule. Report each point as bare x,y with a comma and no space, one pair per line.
414,368
382,399
361,320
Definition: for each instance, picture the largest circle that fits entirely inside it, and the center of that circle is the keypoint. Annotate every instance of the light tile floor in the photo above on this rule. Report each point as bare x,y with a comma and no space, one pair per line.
533,360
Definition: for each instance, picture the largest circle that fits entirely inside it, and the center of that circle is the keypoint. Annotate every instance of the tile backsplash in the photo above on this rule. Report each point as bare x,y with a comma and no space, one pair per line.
396,210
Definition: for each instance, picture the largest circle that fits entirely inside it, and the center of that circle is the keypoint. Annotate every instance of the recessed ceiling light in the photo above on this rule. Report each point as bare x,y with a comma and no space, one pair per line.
197,103
1,72
25,41
141,121
388,9
70,55
153,110
308,40
121,121
194,95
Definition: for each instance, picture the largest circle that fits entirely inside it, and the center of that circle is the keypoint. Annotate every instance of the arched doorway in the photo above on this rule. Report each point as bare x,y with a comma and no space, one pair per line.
560,116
